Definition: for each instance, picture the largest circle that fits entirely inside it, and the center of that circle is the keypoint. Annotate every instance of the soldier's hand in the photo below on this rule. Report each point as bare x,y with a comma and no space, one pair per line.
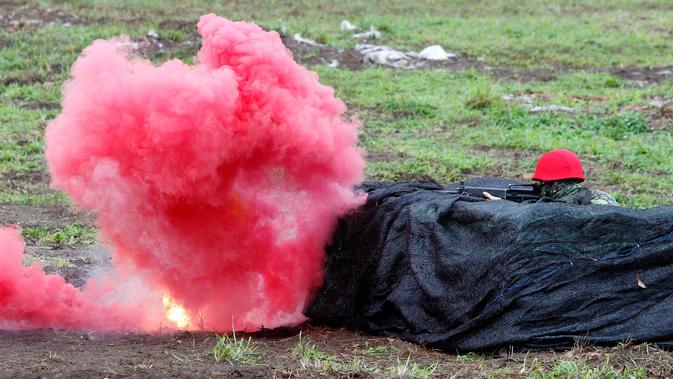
490,197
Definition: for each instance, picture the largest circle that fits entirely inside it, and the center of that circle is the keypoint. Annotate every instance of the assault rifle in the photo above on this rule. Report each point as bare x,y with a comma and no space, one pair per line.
512,192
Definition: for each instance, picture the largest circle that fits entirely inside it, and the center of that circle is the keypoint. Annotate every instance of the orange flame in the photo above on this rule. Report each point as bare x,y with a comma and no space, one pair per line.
176,313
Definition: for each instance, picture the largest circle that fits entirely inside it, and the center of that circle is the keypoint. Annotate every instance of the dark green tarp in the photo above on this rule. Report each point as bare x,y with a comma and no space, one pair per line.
460,274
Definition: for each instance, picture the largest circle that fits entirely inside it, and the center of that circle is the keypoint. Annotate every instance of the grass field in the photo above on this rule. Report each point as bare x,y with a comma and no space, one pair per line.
610,63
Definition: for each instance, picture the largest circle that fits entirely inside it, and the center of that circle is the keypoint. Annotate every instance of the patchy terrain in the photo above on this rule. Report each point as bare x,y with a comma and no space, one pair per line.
592,76
316,352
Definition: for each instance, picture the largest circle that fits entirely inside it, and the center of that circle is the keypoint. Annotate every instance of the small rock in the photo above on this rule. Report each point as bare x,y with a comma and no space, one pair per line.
333,63
346,26
371,33
665,72
152,34
66,25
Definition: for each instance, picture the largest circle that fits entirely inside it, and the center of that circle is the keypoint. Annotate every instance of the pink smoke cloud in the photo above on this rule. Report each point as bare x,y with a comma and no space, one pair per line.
31,299
218,183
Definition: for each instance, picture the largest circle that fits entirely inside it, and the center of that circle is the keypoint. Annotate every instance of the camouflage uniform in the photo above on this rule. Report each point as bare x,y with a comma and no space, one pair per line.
574,193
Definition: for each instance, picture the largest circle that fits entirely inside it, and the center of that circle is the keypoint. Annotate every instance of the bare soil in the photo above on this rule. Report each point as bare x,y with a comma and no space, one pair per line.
74,263
662,117
23,79
324,54
57,354
643,76
14,17
383,156
50,353
41,105
32,216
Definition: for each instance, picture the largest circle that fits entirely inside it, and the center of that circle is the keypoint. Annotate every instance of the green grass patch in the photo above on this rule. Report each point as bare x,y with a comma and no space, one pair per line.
482,97
619,126
572,369
306,349
468,358
73,234
312,359
53,198
235,350
409,369
376,351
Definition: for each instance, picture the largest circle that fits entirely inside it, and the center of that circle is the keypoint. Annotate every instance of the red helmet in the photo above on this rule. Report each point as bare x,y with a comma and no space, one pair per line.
559,164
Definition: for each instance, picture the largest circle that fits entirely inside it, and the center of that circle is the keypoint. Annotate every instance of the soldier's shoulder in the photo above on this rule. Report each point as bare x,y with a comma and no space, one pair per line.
602,198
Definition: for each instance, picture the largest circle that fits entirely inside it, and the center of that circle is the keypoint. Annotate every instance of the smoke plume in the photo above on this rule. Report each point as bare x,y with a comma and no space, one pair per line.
31,299
218,183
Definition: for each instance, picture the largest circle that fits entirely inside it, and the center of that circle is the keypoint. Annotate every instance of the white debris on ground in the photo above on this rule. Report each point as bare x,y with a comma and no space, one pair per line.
300,39
383,55
526,102
152,39
37,17
551,108
660,103
386,56
371,33
636,83
435,53
346,26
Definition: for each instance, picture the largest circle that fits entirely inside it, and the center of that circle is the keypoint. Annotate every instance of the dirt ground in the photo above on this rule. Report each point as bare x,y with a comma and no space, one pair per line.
56,354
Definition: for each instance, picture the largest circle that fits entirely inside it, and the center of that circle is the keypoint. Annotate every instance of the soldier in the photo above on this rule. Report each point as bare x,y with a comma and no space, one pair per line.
560,174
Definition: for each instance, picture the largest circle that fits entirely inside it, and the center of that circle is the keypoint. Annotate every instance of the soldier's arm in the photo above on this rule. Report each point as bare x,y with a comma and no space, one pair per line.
602,198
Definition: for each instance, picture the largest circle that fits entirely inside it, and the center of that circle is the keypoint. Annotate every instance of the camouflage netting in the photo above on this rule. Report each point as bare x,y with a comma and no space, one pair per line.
460,274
